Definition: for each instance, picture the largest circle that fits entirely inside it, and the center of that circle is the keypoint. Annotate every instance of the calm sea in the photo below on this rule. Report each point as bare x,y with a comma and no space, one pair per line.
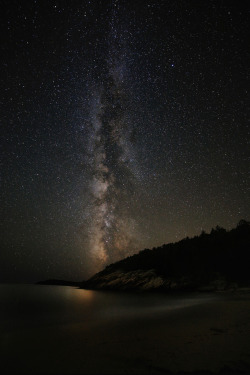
58,329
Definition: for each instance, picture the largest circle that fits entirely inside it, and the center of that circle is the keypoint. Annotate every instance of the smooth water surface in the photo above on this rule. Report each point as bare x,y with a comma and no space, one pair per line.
49,329
26,305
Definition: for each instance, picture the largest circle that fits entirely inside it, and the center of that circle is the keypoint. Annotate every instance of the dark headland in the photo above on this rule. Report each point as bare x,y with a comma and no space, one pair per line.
58,282
218,260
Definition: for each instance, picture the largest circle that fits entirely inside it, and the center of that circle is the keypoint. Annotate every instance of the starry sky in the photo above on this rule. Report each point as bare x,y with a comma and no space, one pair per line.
124,126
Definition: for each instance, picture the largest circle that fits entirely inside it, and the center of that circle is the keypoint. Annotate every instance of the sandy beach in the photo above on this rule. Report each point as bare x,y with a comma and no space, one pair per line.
213,337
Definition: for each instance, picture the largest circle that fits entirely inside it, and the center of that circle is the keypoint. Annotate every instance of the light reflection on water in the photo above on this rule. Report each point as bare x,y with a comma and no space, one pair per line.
41,305
57,329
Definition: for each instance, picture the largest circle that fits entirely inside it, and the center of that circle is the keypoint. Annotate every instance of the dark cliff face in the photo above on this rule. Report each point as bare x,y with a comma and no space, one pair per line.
148,280
214,261
127,280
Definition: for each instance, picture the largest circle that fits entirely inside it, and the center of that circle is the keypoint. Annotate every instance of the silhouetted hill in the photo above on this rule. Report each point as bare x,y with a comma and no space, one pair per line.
211,261
58,282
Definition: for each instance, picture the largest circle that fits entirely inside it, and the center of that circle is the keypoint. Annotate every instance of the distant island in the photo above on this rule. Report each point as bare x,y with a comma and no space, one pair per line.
58,282
213,261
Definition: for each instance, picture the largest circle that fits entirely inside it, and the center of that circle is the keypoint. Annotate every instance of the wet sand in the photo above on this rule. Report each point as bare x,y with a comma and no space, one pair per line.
212,337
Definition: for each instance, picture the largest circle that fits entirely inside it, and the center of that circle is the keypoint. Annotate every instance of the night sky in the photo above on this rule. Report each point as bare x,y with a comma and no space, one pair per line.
124,126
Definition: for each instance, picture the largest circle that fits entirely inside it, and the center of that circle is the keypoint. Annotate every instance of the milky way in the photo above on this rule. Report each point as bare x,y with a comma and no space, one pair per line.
111,229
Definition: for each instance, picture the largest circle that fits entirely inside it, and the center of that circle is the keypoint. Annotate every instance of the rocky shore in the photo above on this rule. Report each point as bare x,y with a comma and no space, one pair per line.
149,280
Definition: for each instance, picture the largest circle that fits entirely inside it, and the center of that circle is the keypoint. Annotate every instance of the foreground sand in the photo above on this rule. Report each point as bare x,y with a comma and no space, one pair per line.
212,337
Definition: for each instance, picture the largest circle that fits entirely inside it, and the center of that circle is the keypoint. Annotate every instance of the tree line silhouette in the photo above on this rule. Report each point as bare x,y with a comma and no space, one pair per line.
201,259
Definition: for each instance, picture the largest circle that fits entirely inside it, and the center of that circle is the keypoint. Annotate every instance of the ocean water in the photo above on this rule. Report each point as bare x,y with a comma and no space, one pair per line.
59,329
27,305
